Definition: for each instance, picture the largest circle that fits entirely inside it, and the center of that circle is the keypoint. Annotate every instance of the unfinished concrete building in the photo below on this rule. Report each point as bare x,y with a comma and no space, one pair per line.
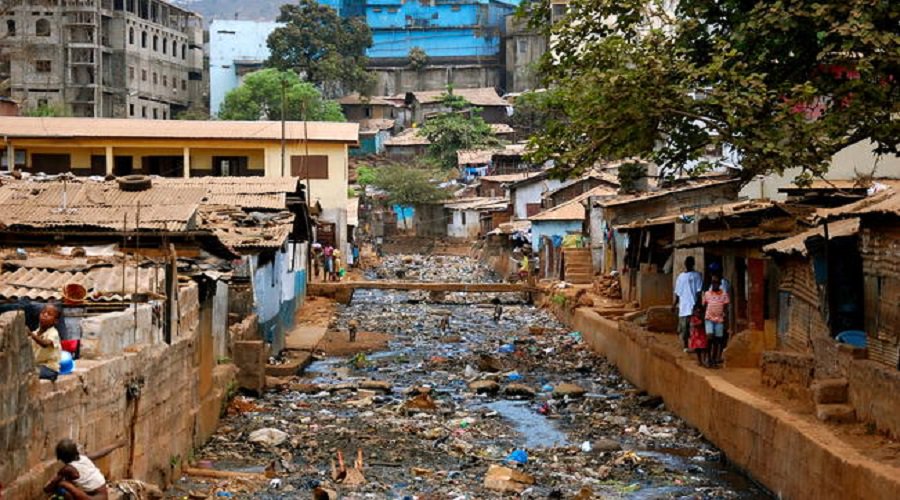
102,58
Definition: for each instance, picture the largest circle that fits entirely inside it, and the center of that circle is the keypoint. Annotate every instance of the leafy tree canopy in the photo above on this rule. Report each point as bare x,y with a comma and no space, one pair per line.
786,83
408,185
328,49
259,98
461,127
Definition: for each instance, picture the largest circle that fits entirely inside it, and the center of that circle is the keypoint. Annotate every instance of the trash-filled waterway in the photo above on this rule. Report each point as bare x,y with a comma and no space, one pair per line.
473,408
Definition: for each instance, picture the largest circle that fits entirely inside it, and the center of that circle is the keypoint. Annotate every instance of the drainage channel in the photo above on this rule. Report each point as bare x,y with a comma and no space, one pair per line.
522,392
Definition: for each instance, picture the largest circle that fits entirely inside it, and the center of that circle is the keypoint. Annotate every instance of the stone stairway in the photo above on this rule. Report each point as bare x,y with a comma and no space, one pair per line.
830,396
578,268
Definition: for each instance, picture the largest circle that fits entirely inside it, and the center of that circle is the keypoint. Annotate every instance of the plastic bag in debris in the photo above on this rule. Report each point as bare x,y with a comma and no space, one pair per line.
268,436
518,456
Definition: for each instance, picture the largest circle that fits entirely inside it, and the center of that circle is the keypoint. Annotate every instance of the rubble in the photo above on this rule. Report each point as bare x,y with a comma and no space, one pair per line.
439,419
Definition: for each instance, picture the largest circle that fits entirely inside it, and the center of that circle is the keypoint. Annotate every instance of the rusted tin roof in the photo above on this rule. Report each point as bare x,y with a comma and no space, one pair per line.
797,244
104,284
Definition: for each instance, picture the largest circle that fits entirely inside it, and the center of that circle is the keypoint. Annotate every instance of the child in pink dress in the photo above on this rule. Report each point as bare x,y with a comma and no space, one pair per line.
698,341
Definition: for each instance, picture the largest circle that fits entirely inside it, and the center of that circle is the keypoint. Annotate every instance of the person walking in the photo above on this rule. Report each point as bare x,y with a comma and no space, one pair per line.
715,299
715,271
687,286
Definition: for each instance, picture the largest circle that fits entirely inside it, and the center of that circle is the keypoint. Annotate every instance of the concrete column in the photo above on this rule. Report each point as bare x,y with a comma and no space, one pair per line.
109,160
10,156
187,162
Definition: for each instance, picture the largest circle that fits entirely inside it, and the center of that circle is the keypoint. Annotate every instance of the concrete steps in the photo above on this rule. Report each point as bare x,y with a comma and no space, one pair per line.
578,269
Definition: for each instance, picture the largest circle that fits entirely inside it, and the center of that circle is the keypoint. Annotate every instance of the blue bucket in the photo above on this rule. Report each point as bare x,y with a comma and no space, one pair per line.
66,363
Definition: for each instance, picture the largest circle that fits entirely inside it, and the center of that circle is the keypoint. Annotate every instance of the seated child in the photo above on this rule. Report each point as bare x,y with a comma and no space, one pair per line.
698,340
79,478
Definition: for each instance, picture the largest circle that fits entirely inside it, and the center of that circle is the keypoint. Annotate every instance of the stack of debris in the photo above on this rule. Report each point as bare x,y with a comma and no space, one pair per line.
608,286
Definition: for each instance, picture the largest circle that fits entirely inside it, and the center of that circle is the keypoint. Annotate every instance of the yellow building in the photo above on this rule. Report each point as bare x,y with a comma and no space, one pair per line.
314,151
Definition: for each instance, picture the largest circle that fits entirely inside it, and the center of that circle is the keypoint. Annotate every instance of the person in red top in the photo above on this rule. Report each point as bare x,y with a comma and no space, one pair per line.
715,300
698,342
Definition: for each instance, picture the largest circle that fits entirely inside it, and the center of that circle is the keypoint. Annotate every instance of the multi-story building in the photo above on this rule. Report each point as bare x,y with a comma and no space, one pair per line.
236,48
103,58
461,39
524,49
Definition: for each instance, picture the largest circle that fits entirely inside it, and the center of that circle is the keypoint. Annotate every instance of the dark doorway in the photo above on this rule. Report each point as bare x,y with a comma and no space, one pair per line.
165,166
50,163
845,285
224,166
122,165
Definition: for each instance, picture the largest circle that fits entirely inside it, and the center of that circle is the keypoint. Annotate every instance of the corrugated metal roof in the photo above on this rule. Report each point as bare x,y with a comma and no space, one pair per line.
886,202
103,128
485,204
501,129
104,284
572,209
263,201
356,99
797,243
101,205
241,231
709,212
510,177
484,96
475,156
647,195
409,137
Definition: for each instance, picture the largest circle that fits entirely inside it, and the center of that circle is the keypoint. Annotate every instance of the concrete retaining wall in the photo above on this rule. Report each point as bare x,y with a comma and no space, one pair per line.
793,457
174,411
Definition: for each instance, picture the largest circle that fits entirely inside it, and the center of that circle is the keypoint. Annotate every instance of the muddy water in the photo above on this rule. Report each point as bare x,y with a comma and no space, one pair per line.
637,448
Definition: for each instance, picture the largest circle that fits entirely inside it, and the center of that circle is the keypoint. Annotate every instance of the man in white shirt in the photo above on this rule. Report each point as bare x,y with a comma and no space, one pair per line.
687,286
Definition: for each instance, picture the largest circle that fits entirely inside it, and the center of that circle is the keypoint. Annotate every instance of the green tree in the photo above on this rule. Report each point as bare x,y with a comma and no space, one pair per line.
786,83
324,47
259,98
461,127
48,110
194,113
365,176
533,109
408,185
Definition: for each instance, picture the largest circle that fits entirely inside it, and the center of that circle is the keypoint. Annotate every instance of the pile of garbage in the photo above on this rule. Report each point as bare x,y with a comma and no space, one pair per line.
433,268
518,405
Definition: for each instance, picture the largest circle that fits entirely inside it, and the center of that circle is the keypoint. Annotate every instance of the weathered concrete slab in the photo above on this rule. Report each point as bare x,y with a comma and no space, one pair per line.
304,338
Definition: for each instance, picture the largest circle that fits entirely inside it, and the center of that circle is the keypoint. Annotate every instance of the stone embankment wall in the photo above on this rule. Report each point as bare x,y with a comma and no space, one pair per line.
159,400
793,457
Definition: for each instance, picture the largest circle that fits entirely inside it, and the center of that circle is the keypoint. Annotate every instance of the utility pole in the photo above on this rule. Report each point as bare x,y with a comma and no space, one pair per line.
283,94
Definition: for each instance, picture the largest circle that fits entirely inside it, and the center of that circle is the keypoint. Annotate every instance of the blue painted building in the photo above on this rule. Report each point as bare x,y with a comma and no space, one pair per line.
235,49
450,29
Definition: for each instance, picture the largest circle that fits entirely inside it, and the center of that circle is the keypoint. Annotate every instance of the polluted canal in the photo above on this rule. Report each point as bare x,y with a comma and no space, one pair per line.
460,409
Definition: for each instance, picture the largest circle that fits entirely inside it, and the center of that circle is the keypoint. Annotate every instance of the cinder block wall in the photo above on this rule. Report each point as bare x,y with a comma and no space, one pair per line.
160,426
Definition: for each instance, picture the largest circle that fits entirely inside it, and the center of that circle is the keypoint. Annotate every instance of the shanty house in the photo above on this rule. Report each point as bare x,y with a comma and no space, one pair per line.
525,194
316,152
426,103
465,216
838,315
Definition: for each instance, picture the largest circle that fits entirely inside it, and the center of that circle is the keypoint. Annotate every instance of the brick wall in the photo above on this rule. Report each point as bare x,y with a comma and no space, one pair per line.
160,426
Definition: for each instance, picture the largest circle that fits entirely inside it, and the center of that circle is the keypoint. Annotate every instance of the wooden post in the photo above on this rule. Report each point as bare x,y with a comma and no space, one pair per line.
109,160
187,162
